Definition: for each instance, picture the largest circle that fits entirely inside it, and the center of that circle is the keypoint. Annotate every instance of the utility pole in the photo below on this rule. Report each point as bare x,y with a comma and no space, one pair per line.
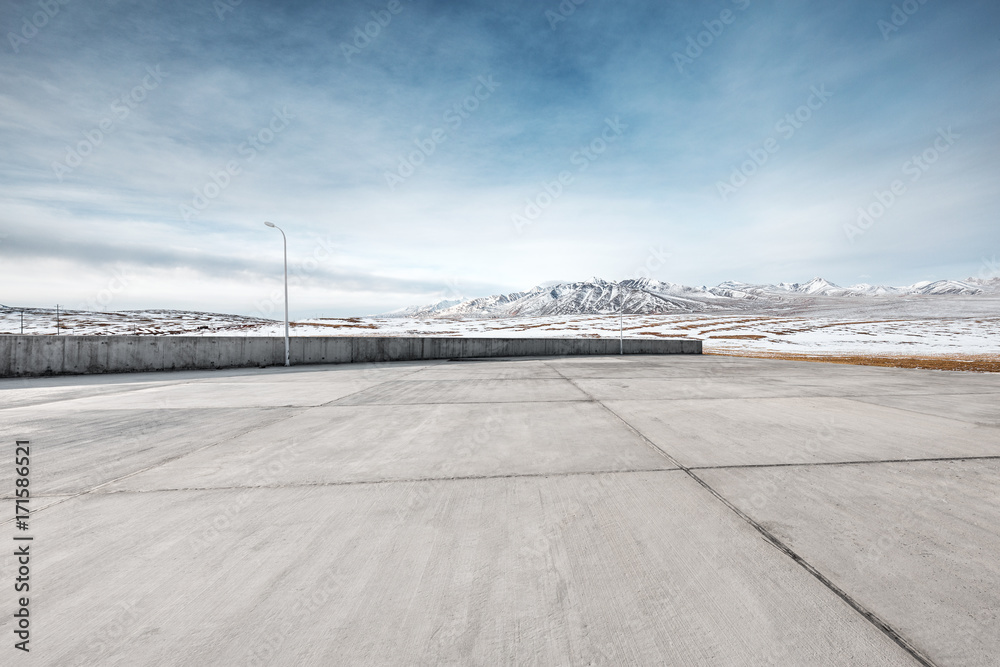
57,319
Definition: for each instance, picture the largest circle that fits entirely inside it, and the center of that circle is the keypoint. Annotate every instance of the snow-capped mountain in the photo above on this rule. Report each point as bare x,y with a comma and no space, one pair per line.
945,287
423,311
649,296
642,296
821,287
988,284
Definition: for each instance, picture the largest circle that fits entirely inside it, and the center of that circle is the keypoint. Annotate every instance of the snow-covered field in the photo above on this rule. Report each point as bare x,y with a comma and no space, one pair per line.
947,318
975,336
928,326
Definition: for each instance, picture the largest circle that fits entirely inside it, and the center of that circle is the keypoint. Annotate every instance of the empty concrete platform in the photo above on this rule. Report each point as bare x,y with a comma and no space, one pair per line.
682,510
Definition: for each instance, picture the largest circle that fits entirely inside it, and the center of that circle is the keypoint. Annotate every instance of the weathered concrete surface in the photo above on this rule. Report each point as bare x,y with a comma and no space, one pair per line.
56,355
916,543
85,449
378,442
973,408
499,512
701,433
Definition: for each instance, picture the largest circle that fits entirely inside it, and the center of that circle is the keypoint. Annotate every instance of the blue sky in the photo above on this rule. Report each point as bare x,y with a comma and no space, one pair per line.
466,148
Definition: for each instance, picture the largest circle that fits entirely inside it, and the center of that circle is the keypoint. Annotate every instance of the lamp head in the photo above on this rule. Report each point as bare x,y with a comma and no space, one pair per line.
269,224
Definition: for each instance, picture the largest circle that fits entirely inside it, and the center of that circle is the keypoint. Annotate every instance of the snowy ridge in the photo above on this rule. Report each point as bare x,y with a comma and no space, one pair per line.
647,296
158,321
593,296
418,311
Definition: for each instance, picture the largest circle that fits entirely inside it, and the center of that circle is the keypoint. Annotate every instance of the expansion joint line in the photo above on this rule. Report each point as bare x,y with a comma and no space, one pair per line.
867,614
163,462
295,412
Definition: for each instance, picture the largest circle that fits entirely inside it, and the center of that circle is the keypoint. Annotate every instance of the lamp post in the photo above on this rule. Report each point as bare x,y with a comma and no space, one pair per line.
284,242
621,316
621,322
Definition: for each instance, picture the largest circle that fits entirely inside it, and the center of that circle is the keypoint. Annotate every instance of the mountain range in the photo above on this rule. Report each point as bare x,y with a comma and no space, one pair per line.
649,296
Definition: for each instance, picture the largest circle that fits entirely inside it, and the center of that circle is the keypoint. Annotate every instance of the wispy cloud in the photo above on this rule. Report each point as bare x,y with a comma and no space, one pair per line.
219,83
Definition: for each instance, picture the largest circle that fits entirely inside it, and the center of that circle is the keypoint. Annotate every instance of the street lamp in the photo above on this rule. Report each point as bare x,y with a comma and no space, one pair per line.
621,322
621,315
284,242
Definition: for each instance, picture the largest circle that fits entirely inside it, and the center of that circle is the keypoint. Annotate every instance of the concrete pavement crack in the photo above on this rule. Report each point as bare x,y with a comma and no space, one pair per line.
527,475
866,613
293,412
860,399
163,462
410,480
815,464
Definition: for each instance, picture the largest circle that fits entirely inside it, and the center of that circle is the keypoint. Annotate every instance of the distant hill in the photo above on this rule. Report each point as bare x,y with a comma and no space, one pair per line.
649,296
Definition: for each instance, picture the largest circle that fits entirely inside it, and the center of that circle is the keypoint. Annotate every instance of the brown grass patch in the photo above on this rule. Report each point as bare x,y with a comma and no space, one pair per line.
333,326
708,322
954,362
660,334
525,327
738,337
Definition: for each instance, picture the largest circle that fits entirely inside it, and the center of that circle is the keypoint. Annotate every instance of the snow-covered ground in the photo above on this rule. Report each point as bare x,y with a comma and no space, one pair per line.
925,326
943,318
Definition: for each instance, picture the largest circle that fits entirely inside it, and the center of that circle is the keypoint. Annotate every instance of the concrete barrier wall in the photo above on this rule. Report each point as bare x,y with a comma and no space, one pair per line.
58,355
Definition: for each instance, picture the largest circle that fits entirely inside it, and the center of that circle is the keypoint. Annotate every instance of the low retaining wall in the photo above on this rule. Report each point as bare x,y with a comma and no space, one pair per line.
58,355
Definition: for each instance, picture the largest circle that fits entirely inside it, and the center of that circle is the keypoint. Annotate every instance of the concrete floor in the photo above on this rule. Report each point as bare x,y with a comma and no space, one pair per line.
564,511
